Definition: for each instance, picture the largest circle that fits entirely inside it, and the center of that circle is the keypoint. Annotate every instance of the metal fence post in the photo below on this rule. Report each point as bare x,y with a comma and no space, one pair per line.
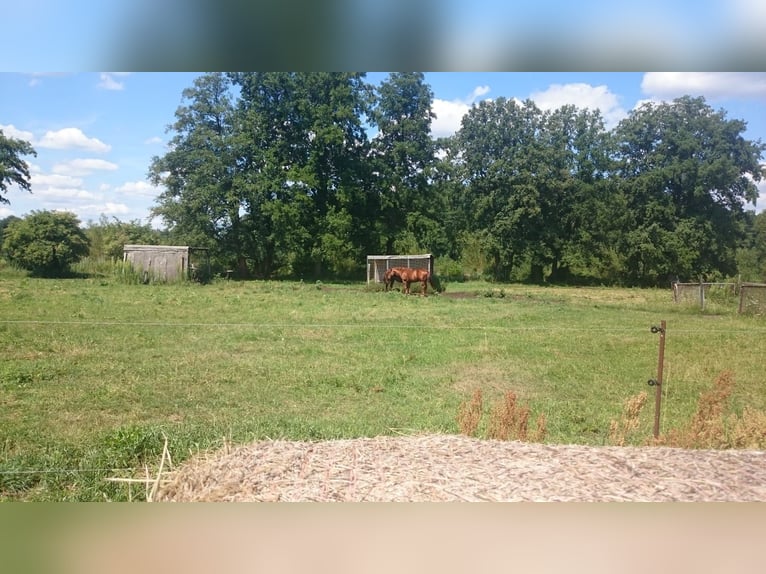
658,381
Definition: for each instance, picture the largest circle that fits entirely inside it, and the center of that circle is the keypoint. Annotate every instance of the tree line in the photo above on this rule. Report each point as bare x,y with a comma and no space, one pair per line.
304,174
277,173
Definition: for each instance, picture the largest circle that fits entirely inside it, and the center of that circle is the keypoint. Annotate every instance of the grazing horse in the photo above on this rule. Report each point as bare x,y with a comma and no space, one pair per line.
408,275
390,276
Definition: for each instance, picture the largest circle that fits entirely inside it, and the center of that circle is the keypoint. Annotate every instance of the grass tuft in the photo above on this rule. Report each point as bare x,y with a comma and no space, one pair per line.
470,413
508,420
712,428
620,430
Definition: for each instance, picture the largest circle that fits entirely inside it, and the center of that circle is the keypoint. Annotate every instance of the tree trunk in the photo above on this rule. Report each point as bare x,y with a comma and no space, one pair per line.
243,272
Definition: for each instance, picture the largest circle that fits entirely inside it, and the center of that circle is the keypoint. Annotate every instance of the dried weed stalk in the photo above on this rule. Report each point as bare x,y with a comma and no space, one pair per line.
508,419
541,429
749,431
712,428
469,414
503,418
620,430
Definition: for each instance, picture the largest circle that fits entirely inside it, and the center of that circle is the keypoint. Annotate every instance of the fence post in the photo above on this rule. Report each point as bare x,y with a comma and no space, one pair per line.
658,381
742,289
702,294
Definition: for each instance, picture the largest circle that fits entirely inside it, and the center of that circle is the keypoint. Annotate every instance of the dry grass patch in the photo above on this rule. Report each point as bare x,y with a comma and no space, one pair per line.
620,430
508,420
469,414
712,427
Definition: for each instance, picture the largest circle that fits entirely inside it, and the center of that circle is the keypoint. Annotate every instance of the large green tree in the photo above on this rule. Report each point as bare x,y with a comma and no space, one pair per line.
306,152
334,175
751,257
403,160
577,210
500,158
46,243
276,208
202,174
686,172
13,169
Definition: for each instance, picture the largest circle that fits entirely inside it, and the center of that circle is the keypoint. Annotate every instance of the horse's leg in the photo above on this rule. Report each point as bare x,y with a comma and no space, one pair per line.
406,285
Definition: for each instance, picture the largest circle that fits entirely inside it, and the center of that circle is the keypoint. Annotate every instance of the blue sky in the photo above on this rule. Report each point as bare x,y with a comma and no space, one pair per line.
95,133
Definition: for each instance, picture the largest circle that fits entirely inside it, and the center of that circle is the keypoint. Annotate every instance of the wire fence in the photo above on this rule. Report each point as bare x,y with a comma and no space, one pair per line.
747,298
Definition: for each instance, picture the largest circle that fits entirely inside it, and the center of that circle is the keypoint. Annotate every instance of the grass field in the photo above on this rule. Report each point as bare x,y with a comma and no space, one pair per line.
95,374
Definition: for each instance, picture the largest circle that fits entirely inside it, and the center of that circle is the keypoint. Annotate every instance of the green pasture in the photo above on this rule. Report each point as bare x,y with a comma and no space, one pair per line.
95,374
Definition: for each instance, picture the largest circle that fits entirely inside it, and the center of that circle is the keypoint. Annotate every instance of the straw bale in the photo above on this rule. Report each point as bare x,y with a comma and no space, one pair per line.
437,468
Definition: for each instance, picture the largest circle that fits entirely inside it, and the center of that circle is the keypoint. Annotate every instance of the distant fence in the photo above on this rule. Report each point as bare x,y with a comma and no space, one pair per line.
752,296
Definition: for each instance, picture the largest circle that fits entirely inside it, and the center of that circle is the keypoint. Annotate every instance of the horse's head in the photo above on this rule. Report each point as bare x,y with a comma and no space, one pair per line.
436,284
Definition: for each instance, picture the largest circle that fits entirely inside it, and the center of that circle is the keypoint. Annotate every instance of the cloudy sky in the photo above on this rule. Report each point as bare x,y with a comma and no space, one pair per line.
95,133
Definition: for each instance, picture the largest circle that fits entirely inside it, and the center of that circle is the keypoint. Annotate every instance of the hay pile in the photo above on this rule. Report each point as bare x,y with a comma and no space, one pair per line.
457,468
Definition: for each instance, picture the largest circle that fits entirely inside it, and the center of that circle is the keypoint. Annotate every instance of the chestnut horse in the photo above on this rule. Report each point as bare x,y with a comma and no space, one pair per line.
390,276
408,275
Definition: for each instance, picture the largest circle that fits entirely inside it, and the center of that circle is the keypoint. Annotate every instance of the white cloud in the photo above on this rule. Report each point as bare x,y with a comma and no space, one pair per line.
36,78
11,131
153,140
584,96
107,81
53,180
83,166
6,212
52,192
477,92
108,208
67,138
713,85
448,116
138,188
449,113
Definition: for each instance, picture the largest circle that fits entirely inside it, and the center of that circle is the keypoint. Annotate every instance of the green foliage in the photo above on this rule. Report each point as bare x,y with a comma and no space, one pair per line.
686,173
118,270
275,174
45,243
108,238
13,169
751,255
403,159
449,269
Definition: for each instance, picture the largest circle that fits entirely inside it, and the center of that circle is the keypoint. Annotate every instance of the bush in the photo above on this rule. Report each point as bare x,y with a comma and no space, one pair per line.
46,243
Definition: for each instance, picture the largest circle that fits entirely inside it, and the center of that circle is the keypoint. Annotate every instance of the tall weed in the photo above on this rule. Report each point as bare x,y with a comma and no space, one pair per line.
712,428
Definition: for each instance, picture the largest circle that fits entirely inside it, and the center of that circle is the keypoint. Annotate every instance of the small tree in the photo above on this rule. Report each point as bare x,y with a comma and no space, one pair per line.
45,243
13,169
108,238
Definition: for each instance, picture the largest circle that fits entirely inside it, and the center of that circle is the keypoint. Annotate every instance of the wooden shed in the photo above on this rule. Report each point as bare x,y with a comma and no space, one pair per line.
378,264
165,263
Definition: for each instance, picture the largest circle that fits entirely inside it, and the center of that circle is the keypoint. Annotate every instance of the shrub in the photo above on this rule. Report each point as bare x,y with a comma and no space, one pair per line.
46,243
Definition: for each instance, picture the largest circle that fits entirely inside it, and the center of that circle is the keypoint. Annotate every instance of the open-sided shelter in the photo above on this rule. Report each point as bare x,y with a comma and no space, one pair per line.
378,264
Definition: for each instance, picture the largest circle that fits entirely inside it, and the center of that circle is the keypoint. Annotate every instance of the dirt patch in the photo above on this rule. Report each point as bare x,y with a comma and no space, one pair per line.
458,294
458,468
